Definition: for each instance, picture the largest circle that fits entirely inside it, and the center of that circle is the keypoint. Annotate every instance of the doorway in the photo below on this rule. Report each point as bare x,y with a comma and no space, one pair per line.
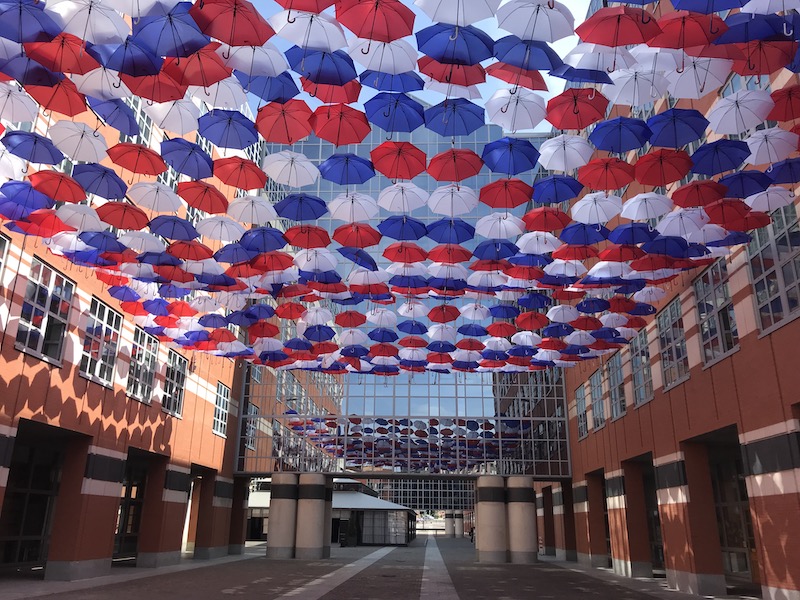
131,503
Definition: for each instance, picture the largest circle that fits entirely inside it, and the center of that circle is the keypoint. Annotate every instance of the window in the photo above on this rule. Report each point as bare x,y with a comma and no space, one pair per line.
640,369
221,405
718,333
144,357
251,427
255,373
144,122
774,255
100,342
45,311
672,342
174,383
596,390
580,407
616,387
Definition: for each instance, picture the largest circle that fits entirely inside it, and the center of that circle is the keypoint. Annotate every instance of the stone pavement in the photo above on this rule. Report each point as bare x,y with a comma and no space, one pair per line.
431,568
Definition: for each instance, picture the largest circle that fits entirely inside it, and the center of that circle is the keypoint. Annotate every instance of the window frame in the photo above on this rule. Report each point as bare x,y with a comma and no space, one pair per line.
97,364
672,345
146,366
581,412
251,426
597,400
222,405
641,368
174,384
615,377
711,288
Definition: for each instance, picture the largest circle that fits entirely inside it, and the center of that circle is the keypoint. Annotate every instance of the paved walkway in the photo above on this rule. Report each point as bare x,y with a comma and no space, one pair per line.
431,568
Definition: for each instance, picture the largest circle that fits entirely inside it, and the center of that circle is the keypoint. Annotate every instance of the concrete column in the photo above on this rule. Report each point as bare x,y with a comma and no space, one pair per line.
523,541
564,522
458,517
282,521
449,524
213,516
326,546
238,528
627,519
491,520
310,537
547,532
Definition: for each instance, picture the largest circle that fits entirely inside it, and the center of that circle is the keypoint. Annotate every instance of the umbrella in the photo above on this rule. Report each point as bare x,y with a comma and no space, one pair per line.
576,108
506,193
235,22
606,174
280,88
681,222
99,180
239,172
618,26
187,158
202,196
392,57
556,188
769,200
684,29
452,200
353,207
174,228
597,57
698,77
544,21
58,186
394,112
455,44
227,129
29,72
408,81
698,193
156,88
383,21
455,164
255,60
620,134
515,110
745,183
771,145
402,197
219,227
154,196
510,156
115,113
204,68
634,87
398,160
565,152
290,168
526,54
340,124
333,68
128,57
32,147
643,207
346,169
662,166
137,159
499,225
719,156
65,53
174,33
309,30
450,231
177,116
357,235
459,13
454,118
307,236
402,227
89,20
16,105
531,80
740,111
78,141
284,123
252,210
596,208
122,215
676,127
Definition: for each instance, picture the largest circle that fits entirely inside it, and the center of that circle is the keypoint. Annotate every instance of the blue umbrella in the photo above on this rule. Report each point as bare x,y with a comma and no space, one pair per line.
29,72
494,354
473,330
557,330
620,134
227,129
187,158
129,58
720,156
318,66
173,228
280,88
569,73
388,82
234,253
734,238
301,207
320,276
394,112
383,334
504,311
521,351
173,291
454,117
495,249
115,113
360,257
403,228
158,258
99,180
454,45
668,245
215,280
298,344
441,347
556,188
747,27
581,234
676,127
444,283
534,300
346,169
354,350
319,333
450,231
23,194
642,309
409,281
529,55
156,306
123,293
593,305
263,239
25,21
261,311
104,241
786,171
32,147
213,320
412,327
707,6
632,234
170,34
745,183
530,260
15,212
510,156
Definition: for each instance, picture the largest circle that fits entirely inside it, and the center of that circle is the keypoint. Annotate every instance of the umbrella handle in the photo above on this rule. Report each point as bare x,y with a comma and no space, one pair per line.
117,84
711,29
454,37
592,95
551,4
289,18
366,50
649,18
228,53
787,32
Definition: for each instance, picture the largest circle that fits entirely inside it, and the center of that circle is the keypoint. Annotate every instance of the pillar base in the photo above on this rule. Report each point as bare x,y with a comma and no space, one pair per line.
549,551
236,549
773,593
309,553
593,560
153,560
492,556
628,568
71,570
210,553
280,552
699,584
523,558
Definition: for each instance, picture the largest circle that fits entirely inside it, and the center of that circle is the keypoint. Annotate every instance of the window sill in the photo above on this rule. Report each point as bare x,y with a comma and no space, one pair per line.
643,403
171,413
675,384
597,428
220,435
42,357
773,328
721,357
619,416
138,399
106,384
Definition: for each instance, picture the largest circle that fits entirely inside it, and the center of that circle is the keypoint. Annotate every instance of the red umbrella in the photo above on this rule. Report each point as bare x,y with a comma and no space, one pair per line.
123,215
235,22
618,26
381,20
374,288
43,223
438,358
58,186
662,166
173,273
524,272
727,210
449,254
294,290
242,269
506,193
315,6
65,53
531,320
328,94
501,329
752,220
323,348
350,318
158,88
383,350
203,196
239,172
284,123
455,164
682,29
110,278
134,308
470,344
763,57
621,304
443,313
698,193
190,250
405,252
531,80
490,265
398,160
622,253
205,67
653,262
137,158
587,323
263,329
787,104
567,252
340,124
546,218
222,335
181,308
463,75
606,174
357,235
307,236
290,310
268,262
576,108
63,97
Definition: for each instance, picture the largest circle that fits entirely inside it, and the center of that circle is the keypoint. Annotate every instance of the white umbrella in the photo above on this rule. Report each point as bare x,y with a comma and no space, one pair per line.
606,269
565,152
563,313
773,198
650,294
16,105
740,111
698,77
565,268
538,242
353,207
613,320
596,208
633,87
599,58
546,21
257,61
382,317
412,309
451,90
176,116
499,226
466,355
362,276
101,83
139,8
487,279
66,241
708,233
81,217
220,227
11,167
10,49
311,31
442,333
393,57
204,303
90,20
682,222
766,7
448,271
516,111
580,338
78,141
317,316
453,200
316,260
771,145
498,344
290,168
526,338
647,205
254,210
475,312
402,197
413,353
458,12
154,196
657,60
407,270
227,94
142,241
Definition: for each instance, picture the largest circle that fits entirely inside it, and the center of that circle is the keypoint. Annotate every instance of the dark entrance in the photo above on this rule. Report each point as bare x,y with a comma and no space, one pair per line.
129,517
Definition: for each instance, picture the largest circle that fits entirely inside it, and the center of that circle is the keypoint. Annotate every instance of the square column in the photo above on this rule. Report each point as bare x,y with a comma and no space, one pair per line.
564,522
458,517
590,524
166,496
238,529
449,524
213,516
627,520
